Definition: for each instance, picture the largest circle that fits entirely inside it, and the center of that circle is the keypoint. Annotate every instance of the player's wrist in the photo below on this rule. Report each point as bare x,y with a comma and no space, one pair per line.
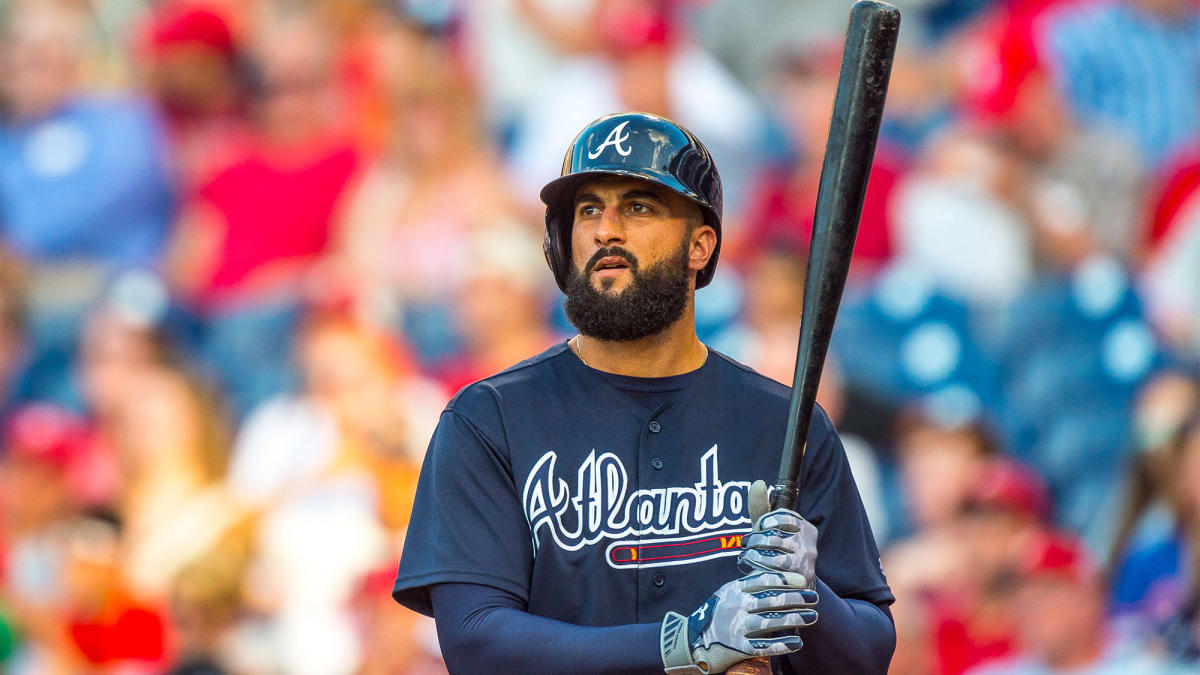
760,614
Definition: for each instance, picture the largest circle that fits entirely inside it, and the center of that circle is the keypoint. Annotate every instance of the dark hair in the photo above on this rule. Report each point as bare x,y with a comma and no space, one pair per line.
13,305
915,418
1150,475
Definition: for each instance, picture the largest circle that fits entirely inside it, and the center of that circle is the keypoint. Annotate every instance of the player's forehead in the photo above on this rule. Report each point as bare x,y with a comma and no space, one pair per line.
616,188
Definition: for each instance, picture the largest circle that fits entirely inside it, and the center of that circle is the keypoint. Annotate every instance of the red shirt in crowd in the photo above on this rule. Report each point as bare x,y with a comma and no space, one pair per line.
781,213
121,632
275,207
1179,182
963,641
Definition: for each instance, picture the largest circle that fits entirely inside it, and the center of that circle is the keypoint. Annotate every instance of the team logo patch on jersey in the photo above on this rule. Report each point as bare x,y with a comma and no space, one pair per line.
674,551
615,138
651,527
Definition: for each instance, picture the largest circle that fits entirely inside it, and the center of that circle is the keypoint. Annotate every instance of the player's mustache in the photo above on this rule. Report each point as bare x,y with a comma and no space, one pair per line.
612,251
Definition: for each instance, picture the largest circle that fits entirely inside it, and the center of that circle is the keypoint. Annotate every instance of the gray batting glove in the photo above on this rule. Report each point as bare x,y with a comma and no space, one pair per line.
757,615
781,540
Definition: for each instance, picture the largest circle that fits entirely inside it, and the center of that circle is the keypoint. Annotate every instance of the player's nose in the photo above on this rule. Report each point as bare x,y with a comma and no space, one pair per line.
610,230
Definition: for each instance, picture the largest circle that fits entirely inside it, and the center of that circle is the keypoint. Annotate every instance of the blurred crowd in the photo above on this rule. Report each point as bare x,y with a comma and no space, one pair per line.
250,248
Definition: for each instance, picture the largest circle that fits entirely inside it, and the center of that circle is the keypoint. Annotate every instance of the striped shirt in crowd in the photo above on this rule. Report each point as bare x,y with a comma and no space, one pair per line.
1120,65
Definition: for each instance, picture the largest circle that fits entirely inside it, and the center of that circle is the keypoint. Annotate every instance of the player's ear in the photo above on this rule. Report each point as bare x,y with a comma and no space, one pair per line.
702,241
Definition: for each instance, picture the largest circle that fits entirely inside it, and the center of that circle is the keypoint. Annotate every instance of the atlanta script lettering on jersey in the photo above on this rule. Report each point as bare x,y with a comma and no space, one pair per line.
601,507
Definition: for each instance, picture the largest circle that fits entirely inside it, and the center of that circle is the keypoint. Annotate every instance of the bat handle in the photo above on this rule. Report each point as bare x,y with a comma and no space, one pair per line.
784,494
759,666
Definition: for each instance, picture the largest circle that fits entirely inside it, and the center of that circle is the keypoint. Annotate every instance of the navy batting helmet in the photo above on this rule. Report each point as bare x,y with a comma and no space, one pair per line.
638,145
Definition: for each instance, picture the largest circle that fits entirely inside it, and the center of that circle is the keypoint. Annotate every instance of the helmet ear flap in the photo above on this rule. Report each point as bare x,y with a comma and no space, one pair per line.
557,250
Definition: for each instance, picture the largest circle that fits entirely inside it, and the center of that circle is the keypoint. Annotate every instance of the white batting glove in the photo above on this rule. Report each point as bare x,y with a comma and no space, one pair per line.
781,541
757,615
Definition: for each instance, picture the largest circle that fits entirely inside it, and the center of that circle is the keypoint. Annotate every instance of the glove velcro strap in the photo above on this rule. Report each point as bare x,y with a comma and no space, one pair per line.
676,652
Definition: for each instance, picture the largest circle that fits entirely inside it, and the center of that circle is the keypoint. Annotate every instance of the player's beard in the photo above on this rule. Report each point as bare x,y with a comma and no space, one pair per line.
654,299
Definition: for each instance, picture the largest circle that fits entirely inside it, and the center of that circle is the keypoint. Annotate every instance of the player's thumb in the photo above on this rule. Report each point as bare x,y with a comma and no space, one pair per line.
759,503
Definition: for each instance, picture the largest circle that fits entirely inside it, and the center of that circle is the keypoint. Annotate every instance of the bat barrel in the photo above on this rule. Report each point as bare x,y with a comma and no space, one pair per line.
857,112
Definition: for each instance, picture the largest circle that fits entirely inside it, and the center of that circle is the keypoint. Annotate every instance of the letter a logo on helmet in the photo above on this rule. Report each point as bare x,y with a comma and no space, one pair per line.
649,148
614,139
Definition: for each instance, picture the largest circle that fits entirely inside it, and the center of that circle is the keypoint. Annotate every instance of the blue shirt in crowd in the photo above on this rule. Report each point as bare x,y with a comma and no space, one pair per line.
87,182
1139,72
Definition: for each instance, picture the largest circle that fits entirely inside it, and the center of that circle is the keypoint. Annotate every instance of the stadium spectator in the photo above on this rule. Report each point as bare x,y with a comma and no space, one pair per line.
1086,173
1154,576
1059,610
764,337
168,433
191,59
748,36
1008,508
957,214
960,604
83,178
1182,631
780,208
1162,410
1173,254
1130,63
205,601
941,457
86,185
122,339
500,309
363,409
396,640
44,471
405,245
252,232
110,628
331,472
1076,347
953,578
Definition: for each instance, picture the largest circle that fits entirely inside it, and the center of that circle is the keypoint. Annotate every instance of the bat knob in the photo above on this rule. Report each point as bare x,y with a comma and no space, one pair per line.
751,667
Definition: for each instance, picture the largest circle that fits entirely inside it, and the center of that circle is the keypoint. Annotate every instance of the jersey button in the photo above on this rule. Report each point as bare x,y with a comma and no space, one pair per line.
656,463
659,579
655,427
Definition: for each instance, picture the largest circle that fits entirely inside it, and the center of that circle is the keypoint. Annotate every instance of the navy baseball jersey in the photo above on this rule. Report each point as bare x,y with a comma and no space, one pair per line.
605,500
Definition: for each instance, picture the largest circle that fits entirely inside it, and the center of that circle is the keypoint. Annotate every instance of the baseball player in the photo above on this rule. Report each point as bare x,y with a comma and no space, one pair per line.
589,510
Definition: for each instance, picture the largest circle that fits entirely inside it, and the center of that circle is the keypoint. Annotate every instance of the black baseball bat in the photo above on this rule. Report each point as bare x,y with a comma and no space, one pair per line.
857,112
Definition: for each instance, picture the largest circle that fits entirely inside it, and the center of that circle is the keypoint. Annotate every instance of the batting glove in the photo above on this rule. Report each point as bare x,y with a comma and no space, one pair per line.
781,541
757,615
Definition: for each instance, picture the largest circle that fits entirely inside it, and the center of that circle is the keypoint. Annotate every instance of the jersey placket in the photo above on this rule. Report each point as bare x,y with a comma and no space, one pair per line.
656,469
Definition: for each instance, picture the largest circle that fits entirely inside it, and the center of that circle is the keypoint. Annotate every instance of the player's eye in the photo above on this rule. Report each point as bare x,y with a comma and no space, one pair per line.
640,208
588,210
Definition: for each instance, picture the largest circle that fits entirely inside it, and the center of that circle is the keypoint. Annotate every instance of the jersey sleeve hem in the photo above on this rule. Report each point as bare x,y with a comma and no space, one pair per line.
876,595
412,590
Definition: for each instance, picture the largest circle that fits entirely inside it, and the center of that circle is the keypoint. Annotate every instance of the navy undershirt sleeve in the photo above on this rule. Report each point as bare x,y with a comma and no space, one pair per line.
486,630
483,629
850,636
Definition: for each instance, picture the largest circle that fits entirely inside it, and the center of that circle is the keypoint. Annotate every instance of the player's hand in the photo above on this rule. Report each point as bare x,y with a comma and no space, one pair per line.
757,615
781,541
